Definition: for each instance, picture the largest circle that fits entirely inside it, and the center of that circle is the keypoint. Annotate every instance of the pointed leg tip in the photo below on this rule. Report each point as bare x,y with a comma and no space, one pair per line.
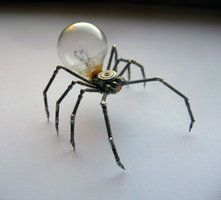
190,128
73,145
120,165
74,149
191,125
48,116
57,129
123,168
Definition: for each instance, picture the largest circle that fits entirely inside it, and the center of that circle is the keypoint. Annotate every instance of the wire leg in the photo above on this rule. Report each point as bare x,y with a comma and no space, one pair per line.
174,90
61,99
58,104
110,137
88,83
129,73
73,115
45,92
113,53
127,68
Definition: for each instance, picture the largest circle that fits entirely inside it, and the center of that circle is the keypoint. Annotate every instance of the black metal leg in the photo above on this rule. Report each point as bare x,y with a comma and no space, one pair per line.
62,97
58,104
113,53
110,137
174,90
128,68
45,92
52,79
129,73
73,115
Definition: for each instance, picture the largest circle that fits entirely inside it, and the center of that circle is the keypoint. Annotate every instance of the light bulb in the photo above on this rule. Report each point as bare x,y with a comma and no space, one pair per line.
82,48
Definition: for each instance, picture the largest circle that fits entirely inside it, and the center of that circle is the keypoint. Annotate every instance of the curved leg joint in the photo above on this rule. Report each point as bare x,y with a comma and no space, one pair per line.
128,68
46,89
186,100
58,104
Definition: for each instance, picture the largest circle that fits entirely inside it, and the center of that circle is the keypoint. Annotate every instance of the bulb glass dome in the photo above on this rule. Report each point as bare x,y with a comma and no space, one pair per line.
82,48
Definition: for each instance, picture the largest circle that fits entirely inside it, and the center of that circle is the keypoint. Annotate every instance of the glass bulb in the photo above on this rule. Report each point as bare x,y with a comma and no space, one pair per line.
82,48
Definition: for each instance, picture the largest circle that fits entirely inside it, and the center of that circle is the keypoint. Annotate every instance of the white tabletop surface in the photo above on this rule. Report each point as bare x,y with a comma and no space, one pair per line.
150,126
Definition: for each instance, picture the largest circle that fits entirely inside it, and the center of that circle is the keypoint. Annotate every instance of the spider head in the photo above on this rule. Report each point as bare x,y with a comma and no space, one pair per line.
109,81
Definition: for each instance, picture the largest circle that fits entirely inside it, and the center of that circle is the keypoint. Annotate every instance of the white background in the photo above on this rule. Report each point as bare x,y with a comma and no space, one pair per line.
150,126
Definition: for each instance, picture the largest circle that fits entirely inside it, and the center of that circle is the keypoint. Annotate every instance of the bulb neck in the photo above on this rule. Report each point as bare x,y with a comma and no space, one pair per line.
93,72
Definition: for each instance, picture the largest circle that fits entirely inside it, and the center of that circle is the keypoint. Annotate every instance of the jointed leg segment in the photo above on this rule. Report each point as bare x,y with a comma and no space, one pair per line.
73,115
58,104
127,68
113,53
62,97
110,137
128,62
88,84
174,90
46,89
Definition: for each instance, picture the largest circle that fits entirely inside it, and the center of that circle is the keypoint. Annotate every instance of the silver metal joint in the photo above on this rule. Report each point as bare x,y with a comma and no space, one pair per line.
107,75
103,103
72,118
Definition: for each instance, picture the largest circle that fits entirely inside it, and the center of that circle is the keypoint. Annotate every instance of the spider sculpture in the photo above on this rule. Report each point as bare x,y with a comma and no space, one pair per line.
82,48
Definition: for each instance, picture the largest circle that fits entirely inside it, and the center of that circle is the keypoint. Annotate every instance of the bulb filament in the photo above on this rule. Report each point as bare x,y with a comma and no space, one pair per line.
92,69
82,56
